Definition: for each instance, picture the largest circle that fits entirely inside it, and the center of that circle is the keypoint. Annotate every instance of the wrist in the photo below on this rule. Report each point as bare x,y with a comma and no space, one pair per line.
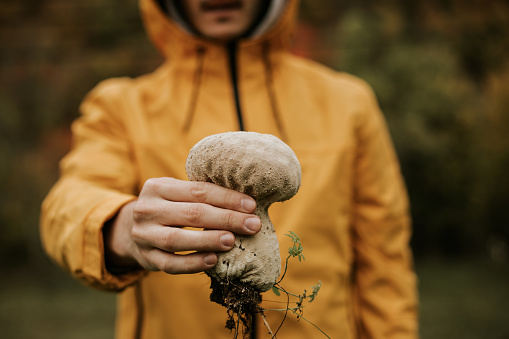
118,244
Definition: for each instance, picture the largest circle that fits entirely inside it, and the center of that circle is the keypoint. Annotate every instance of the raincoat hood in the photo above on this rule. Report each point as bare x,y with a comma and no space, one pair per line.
204,66
172,38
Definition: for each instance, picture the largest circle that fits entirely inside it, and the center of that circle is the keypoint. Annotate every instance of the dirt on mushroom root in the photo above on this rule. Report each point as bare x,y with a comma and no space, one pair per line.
241,300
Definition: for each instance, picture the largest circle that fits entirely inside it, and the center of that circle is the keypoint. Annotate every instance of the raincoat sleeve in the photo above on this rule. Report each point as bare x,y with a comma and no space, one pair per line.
97,179
385,283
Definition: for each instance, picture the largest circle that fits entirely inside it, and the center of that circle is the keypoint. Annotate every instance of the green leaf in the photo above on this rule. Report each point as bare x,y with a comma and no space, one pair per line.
293,236
296,249
315,289
276,291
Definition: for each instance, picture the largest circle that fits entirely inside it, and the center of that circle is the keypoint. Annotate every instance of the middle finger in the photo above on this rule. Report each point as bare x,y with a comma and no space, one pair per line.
209,217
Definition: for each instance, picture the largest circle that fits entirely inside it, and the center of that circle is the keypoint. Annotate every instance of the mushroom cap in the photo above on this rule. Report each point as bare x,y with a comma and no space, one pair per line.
259,165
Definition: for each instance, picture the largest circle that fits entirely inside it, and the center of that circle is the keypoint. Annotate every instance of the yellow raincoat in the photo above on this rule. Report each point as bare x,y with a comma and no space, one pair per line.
351,212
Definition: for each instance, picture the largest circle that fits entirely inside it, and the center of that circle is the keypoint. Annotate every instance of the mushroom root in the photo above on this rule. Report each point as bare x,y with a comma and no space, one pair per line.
263,167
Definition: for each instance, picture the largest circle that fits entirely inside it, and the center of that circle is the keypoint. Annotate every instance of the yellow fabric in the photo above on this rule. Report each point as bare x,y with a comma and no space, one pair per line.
351,212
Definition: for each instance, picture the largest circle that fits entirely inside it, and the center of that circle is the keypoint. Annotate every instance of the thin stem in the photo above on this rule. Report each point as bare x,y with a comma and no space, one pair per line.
287,293
282,309
286,312
318,328
275,301
284,272
300,316
267,324
236,329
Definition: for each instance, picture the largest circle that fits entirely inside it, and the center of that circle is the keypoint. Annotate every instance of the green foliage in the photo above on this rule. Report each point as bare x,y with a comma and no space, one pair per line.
276,291
314,292
296,249
315,288
438,70
297,305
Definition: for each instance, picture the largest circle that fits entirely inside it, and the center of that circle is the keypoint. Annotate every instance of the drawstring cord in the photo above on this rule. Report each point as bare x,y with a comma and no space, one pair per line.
200,57
270,89
268,81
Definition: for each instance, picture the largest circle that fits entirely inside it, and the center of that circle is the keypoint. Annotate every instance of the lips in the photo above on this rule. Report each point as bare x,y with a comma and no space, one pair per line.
220,5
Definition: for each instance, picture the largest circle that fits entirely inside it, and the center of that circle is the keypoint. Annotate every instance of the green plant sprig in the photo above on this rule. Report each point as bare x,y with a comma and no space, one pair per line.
294,251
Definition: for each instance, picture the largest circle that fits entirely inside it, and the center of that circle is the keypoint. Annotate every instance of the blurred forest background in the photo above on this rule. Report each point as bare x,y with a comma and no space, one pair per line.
440,69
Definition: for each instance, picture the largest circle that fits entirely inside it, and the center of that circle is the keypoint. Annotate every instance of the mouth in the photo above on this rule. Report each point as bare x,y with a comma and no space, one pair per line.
220,5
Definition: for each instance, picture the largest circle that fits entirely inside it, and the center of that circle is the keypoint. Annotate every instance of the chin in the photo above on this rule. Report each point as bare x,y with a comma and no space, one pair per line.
223,34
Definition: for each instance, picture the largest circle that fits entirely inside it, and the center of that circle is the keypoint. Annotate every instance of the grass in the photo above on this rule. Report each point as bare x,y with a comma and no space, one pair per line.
464,299
53,305
459,299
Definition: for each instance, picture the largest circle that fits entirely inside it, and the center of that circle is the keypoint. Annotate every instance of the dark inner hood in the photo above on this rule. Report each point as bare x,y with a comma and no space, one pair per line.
270,12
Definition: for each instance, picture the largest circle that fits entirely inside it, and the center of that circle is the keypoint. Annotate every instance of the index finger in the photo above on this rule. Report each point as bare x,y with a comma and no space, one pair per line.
202,192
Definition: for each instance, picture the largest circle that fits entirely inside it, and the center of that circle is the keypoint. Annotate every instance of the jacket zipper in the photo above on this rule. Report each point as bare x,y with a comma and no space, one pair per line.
140,310
232,63
232,60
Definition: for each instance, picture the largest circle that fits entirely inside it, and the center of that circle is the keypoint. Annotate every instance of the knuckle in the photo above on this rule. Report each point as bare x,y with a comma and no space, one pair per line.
145,261
136,233
171,183
142,209
199,191
150,184
232,198
170,241
193,214
168,266
230,219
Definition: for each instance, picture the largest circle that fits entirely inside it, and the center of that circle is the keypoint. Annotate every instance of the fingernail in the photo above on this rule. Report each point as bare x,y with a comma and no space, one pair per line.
248,204
227,240
210,259
252,224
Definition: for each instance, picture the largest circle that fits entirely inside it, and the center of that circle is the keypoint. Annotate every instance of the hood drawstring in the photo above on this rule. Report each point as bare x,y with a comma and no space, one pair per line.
270,89
200,57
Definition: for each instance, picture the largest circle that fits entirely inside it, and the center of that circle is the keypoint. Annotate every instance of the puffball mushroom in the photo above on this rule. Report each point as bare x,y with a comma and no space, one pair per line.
263,167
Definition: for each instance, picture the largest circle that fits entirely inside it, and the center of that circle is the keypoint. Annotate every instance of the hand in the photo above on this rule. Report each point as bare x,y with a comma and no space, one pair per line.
147,232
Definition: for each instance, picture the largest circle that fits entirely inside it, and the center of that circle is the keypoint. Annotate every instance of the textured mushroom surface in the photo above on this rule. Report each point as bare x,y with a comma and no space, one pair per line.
263,167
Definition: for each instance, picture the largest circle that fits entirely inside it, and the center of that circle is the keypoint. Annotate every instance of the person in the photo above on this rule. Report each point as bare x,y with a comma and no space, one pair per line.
124,217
